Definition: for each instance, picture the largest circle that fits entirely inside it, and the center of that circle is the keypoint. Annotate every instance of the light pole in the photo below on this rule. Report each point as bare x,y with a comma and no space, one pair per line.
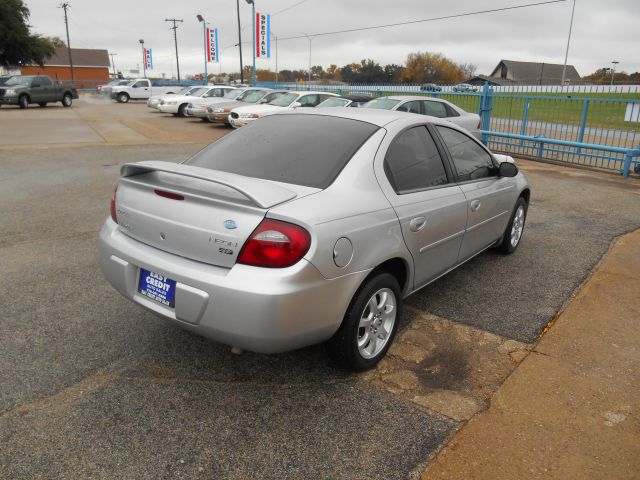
566,54
276,38
253,35
613,70
206,54
240,41
144,60
310,40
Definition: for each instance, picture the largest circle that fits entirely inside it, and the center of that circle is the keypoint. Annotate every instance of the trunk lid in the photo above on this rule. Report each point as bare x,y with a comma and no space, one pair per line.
210,215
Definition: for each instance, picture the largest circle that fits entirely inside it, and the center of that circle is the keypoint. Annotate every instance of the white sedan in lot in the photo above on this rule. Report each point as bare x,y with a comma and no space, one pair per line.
177,104
434,107
155,101
242,115
198,106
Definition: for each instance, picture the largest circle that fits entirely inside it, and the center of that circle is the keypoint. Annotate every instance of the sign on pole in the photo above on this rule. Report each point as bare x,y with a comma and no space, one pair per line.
148,58
212,45
263,35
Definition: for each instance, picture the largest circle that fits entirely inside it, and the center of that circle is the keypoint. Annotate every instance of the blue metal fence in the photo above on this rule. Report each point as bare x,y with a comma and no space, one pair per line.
591,125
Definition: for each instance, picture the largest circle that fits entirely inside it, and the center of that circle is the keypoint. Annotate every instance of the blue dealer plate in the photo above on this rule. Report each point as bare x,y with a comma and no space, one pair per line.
157,287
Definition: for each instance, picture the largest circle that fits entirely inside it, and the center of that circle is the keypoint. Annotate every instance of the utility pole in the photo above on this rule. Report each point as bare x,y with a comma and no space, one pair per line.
310,40
113,64
240,41
566,53
175,39
65,6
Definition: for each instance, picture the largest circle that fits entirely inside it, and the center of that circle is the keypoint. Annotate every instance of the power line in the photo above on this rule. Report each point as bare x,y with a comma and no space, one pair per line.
433,19
288,8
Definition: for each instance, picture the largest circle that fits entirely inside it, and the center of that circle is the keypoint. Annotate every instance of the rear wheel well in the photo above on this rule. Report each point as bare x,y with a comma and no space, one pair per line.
526,194
396,267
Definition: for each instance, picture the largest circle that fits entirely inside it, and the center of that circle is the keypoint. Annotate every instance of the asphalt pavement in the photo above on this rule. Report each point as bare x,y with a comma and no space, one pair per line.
94,386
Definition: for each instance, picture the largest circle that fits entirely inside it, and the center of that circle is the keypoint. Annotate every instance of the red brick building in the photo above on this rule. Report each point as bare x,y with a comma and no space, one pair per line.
90,66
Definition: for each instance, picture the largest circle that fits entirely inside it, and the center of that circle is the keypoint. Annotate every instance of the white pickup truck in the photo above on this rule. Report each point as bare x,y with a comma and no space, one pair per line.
143,88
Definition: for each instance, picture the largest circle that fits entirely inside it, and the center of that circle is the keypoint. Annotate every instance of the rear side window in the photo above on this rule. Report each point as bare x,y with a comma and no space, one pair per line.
472,162
435,109
308,101
308,150
413,163
411,107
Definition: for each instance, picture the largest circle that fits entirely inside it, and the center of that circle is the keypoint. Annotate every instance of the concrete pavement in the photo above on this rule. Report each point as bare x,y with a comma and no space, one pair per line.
572,408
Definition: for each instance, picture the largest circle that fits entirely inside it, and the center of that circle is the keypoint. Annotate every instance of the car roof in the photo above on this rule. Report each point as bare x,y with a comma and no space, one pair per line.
370,115
357,98
305,92
414,97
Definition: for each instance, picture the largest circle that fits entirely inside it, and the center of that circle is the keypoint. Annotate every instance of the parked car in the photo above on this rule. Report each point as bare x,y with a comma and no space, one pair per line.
434,107
430,87
198,106
219,113
464,87
156,100
242,115
23,90
354,101
143,89
177,104
107,87
309,225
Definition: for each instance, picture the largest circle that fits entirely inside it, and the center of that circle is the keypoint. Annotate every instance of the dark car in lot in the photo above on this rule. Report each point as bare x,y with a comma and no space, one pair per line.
464,87
430,87
23,90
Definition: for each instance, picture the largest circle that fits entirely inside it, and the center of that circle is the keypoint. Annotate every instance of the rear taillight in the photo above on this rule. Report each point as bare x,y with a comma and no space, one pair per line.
478,127
113,204
275,244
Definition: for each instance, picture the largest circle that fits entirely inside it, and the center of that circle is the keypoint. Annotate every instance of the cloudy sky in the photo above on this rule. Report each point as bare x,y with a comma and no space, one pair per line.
603,31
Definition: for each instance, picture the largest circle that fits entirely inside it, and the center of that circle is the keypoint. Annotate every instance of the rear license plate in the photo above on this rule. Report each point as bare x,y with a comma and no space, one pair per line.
157,287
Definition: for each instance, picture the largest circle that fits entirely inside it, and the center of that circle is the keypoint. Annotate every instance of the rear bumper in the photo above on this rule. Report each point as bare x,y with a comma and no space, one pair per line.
196,112
219,118
258,309
168,108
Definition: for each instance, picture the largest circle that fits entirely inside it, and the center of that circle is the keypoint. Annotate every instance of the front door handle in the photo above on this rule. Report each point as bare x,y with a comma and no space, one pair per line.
417,224
475,205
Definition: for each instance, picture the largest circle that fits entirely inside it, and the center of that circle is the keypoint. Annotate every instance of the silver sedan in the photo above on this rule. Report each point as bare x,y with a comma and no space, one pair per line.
434,107
309,226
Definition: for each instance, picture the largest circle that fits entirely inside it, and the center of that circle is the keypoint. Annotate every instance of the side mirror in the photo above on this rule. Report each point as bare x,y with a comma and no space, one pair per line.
507,169
296,105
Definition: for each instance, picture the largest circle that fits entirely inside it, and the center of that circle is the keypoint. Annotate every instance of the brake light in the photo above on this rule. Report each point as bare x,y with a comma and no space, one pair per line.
172,196
275,244
478,127
113,204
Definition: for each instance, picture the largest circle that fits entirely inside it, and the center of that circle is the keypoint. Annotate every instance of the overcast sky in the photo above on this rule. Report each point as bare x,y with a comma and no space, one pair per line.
602,31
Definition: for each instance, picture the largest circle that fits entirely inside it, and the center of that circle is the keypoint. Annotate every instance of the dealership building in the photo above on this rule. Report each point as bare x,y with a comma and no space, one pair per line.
90,66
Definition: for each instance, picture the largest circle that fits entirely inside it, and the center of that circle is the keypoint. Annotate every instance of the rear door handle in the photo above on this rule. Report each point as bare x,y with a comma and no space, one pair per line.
417,224
475,205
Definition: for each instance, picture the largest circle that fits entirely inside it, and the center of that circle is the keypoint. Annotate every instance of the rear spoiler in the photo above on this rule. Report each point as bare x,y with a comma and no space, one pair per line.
262,193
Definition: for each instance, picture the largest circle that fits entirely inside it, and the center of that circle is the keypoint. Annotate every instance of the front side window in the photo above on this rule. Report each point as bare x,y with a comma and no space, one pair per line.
308,100
284,100
140,84
44,81
411,107
413,163
435,109
471,161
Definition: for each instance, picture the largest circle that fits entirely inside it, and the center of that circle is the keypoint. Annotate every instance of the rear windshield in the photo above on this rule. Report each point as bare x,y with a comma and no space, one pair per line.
308,150
381,103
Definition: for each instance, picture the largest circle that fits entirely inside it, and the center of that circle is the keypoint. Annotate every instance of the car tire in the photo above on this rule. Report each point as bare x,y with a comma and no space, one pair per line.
67,100
374,311
181,110
23,101
123,97
515,229
42,104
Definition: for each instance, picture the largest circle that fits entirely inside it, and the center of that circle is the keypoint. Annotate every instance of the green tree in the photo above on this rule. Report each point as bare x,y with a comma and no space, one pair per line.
18,46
